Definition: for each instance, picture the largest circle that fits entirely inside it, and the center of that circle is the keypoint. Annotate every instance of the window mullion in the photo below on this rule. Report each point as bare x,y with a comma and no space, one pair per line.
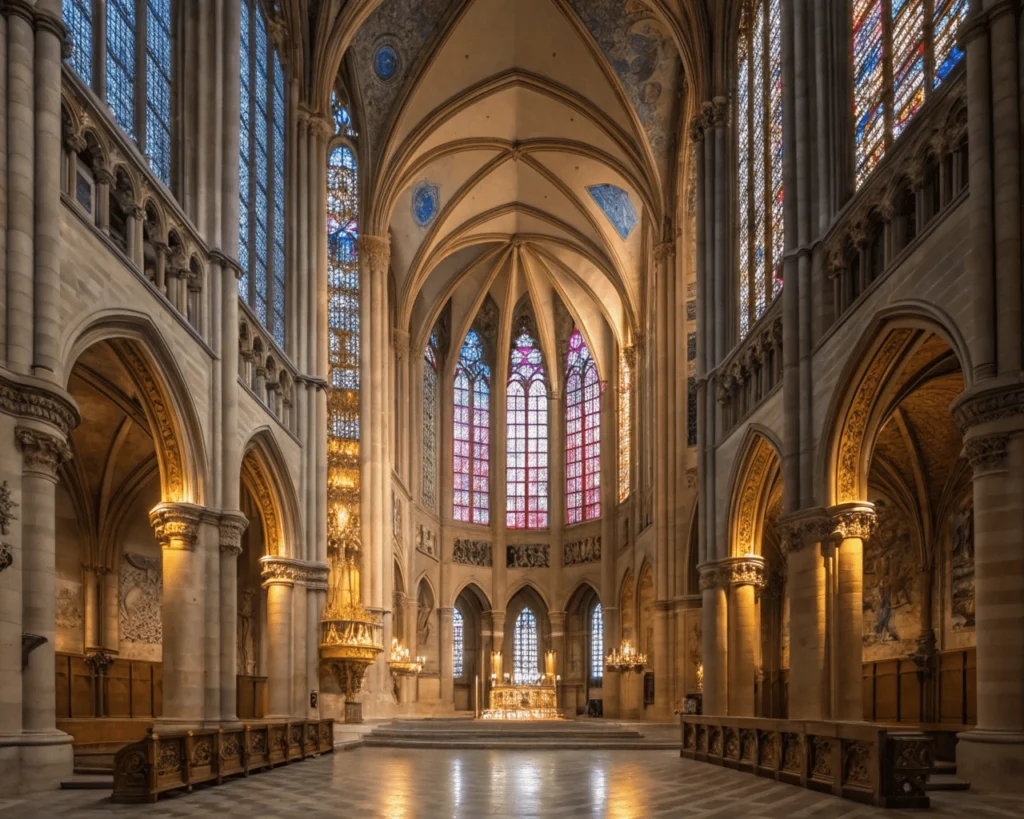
929,47
887,72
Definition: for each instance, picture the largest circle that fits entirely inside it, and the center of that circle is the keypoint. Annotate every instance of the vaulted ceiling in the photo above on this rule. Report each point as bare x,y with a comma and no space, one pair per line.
517,147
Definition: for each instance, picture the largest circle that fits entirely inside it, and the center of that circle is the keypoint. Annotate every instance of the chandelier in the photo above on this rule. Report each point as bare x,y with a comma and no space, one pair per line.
625,658
401,662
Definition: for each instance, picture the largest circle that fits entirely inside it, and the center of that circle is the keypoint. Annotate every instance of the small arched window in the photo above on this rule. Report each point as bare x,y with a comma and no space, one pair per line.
471,432
261,174
582,433
900,55
759,158
458,647
596,643
526,471
525,660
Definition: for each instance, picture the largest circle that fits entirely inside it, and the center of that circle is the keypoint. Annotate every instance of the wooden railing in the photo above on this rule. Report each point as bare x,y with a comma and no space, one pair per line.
166,762
858,761
940,691
100,686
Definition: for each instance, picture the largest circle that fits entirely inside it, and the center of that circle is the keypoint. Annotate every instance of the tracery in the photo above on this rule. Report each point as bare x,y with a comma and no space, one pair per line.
526,478
582,433
472,429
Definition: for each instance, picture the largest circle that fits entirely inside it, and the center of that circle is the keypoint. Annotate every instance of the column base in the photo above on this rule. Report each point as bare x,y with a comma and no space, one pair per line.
992,761
35,761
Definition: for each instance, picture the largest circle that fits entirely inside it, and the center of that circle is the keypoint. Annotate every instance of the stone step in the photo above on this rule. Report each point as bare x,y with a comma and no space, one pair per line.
498,733
946,782
88,782
525,744
941,766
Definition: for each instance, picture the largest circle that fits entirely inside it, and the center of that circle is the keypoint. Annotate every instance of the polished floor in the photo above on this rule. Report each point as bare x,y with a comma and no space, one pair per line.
401,784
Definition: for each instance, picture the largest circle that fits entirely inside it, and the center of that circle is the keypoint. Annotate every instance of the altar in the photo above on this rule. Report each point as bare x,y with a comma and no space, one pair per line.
535,698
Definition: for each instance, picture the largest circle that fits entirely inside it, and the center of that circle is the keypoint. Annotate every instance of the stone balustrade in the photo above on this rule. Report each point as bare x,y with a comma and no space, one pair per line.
166,762
752,370
859,761
265,370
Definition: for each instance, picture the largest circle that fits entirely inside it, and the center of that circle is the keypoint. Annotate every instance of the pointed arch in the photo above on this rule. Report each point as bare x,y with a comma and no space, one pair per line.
526,414
265,475
757,468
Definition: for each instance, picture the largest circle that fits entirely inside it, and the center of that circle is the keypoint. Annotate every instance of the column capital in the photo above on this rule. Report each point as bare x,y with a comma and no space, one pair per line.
664,251
321,127
281,571
803,528
231,527
745,570
853,520
43,452
377,252
28,397
987,454
400,341
1000,406
176,525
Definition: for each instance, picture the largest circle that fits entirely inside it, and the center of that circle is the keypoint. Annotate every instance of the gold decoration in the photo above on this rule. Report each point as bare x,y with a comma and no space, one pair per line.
625,658
401,662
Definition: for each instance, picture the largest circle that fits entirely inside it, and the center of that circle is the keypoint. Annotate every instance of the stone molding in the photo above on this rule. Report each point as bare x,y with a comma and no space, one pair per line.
289,570
31,399
746,570
318,577
43,453
176,525
803,529
377,252
852,520
232,526
987,454
989,406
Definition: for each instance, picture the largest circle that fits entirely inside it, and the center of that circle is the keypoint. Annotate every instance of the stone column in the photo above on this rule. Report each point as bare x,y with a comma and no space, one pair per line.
745,577
610,681
852,525
444,661
90,608
279,574
316,596
556,492
46,753
992,753
176,527
557,619
232,527
400,340
715,640
109,612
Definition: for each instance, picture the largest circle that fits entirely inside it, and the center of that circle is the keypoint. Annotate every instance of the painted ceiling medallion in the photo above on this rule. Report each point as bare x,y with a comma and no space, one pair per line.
385,62
614,201
426,201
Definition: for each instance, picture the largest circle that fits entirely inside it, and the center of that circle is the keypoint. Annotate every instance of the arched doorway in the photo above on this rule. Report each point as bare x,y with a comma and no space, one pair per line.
468,649
527,635
582,686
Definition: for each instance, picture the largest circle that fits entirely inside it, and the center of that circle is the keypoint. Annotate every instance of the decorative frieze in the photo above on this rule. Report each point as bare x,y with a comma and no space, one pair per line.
30,400
992,405
987,453
586,550
176,525
528,556
426,542
472,552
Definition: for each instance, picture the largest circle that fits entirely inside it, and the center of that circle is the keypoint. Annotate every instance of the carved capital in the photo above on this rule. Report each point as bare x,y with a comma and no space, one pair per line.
711,576
176,525
400,340
30,398
231,527
284,571
987,453
852,520
75,143
664,250
377,252
321,127
989,406
803,529
43,452
747,570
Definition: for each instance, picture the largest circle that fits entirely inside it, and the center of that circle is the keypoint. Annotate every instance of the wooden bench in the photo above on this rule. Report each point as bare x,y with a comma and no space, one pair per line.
887,767
164,762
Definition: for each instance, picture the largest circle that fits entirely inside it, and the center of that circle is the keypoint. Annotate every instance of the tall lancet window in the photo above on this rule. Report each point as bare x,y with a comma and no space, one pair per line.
261,174
582,433
597,643
901,53
526,475
759,158
343,330
457,644
625,423
429,473
525,660
134,51
472,434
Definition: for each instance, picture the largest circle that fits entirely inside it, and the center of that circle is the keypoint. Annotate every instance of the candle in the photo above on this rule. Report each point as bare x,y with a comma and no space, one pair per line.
496,663
549,663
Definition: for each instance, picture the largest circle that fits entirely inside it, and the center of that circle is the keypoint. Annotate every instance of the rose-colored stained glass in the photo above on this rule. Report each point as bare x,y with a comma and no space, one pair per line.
868,87
625,424
471,434
526,425
582,433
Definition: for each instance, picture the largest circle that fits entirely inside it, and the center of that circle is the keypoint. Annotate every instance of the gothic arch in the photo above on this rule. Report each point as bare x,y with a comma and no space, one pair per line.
890,354
163,392
472,587
582,589
265,475
757,471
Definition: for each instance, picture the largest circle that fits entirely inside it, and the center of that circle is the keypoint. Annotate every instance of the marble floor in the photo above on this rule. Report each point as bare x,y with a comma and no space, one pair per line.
401,784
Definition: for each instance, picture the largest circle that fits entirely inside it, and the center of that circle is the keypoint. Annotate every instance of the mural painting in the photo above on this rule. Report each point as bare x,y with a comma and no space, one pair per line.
892,600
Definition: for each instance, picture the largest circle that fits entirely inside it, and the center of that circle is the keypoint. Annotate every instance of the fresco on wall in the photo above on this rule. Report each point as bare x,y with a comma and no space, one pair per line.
140,588
68,616
961,567
892,599
642,54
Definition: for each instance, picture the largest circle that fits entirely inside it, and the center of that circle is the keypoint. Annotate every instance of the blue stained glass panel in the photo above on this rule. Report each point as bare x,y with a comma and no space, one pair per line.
525,659
596,643
121,63
615,203
385,62
947,18
77,15
158,88
426,200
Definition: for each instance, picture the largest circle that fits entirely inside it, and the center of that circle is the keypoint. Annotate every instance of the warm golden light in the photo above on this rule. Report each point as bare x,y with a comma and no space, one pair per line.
625,658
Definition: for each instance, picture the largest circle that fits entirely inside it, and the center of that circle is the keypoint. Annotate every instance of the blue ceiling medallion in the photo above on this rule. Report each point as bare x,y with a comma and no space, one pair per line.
385,62
614,201
426,201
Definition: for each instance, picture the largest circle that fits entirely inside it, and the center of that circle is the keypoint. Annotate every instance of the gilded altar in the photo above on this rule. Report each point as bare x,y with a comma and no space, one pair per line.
523,702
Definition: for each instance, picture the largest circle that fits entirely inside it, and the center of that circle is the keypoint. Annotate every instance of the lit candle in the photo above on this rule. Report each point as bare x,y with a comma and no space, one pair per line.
495,663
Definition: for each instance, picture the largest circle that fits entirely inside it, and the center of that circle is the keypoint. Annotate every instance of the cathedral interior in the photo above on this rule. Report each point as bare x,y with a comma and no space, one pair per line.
627,374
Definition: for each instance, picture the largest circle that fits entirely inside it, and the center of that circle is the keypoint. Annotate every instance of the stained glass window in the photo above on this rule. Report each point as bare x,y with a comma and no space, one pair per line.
121,63
457,643
342,116
78,18
526,469
429,474
625,424
472,431
596,643
525,660
582,433
261,174
343,328
892,40
759,158
158,87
